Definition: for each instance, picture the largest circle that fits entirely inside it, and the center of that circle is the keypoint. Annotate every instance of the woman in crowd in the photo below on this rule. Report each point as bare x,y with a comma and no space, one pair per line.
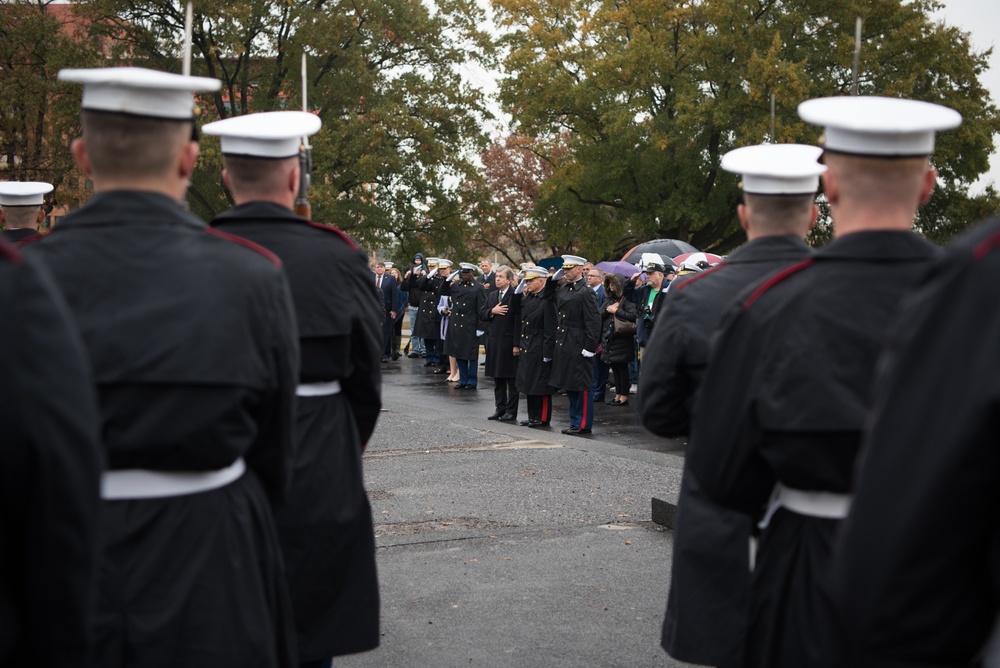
401,306
618,324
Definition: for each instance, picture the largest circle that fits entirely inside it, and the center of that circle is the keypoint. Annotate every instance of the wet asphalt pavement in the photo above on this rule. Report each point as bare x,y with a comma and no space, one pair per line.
502,545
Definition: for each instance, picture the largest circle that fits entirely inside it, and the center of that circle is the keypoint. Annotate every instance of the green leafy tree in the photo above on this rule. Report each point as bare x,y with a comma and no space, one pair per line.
40,116
399,122
651,94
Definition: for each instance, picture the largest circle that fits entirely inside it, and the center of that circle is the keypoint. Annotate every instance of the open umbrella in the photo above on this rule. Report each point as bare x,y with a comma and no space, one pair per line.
694,258
623,269
665,247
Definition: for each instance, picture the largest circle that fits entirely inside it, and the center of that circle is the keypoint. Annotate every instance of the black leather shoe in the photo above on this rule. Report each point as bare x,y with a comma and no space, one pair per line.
573,431
385,358
525,423
496,416
429,364
535,423
507,417
440,371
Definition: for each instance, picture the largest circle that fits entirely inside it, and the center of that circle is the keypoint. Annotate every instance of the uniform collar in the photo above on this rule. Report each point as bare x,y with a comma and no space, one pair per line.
260,211
768,249
125,207
879,245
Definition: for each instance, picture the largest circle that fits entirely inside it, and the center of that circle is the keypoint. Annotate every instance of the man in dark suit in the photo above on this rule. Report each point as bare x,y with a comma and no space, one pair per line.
502,340
595,281
386,284
489,278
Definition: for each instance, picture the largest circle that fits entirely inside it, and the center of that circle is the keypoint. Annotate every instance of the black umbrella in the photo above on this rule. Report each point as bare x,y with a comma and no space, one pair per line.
665,247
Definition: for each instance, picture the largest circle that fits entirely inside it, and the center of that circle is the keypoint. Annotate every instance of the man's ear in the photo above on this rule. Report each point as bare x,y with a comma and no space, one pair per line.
744,216
79,150
927,187
831,186
225,179
187,160
814,216
293,179
40,217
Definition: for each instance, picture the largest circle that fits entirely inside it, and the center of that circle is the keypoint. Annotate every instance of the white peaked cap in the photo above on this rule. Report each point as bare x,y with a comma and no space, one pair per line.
139,92
23,193
388,265
879,126
467,266
271,134
776,169
431,260
573,261
651,258
535,272
444,263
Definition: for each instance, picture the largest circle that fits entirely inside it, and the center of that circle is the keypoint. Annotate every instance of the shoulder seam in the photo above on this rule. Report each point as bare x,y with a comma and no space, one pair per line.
337,231
983,248
775,280
274,259
704,273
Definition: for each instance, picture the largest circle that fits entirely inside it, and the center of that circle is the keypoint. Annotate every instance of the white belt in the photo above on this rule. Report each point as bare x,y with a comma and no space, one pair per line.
318,389
144,484
814,504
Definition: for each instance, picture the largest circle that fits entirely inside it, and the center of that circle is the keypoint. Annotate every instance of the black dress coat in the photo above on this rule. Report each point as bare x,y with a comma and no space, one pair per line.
467,300
538,343
50,468
915,570
710,572
578,328
326,523
503,334
791,374
428,324
16,235
617,348
192,341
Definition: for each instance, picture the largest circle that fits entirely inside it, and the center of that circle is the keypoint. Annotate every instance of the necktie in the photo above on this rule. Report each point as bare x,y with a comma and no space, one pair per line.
378,282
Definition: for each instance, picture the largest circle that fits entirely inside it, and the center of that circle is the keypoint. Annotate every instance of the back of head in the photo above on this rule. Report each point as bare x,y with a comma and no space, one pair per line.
773,215
20,216
252,177
123,147
612,284
879,183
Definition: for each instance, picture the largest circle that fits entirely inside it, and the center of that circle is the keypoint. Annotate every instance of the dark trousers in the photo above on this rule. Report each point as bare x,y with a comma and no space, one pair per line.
622,381
600,377
540,407
505,395
468,371
433,357
387,335
323,663
581,408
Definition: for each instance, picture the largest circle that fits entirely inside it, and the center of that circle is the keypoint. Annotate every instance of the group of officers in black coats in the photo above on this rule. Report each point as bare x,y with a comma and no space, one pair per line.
838,505
184,407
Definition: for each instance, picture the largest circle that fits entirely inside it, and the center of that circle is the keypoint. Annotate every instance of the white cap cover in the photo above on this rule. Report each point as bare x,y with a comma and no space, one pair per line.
879,126
23,193
535,272
443,263
432,262
467,266
139,91
573,261
776,169
271,134
388,264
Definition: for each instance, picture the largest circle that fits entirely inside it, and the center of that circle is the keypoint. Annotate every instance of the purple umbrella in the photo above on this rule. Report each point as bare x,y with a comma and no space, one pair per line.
623,269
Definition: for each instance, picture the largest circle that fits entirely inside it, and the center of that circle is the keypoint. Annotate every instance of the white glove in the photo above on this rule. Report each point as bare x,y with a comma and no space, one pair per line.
433,271
546,359
587,353
442,305
558,275
479,332
520,288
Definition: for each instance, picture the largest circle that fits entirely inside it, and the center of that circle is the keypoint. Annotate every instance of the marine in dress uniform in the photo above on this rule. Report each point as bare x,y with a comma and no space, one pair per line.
21,209
915,569
191,337
537,344
710,571
428,317
502,351
578,331
50,472
792,369
326,523
466,298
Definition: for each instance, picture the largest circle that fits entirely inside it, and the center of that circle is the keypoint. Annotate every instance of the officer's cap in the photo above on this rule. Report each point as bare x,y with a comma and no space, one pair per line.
570,261
443,263
137,91
776,169
23,193
535,272
389,264
467,266
271,134
879,126
432,262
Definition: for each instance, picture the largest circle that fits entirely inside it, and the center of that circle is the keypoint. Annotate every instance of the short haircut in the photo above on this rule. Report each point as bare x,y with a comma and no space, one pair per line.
121,146
790,214
886,182
380,263
600,274
21,216
258,175
506,271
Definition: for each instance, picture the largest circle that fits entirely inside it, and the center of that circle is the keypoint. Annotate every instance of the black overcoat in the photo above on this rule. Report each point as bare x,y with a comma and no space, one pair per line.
50,467
578,328
915,570
791,372
710,573
326,523
617,348
538,343
428,324
192,341
502,335
467,300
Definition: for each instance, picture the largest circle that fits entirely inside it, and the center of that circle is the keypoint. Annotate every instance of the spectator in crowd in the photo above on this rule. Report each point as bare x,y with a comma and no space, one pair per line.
618,325
502,343
595,281
414,296
386,286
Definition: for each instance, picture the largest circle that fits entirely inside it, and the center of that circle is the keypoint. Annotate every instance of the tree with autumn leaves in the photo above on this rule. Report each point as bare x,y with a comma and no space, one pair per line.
645,97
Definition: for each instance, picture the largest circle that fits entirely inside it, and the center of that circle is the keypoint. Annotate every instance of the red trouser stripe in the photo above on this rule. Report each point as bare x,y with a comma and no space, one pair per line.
583,420
545,407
